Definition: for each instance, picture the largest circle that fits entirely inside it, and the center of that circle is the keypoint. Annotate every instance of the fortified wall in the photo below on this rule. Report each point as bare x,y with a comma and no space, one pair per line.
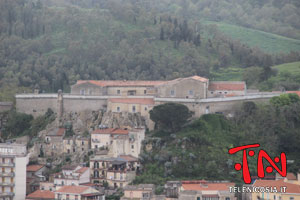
199,94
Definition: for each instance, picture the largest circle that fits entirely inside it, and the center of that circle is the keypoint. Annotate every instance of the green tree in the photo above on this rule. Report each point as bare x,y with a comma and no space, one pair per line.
170,116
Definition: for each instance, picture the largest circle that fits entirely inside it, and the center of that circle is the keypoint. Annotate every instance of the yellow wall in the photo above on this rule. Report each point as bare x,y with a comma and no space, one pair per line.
140,91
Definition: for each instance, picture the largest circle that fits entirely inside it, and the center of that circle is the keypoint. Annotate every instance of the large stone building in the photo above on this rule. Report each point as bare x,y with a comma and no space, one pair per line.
199,94
13,161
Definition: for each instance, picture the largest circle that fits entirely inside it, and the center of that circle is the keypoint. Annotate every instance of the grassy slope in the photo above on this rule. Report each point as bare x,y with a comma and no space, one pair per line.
268,42
293,67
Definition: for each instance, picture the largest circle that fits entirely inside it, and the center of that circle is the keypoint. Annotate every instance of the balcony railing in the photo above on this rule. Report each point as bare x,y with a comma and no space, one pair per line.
7,164
7,174
7,194
7,184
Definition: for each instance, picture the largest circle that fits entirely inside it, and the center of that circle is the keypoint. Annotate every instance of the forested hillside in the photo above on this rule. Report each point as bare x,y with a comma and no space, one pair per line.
200,150
51,44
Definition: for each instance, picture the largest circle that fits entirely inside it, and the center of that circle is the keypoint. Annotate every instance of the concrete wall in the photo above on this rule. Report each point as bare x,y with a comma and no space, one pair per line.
20,177
38,104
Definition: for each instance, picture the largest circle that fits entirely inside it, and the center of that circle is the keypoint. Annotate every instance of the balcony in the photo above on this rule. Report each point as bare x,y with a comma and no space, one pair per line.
7,174
7,164
7,194
7,184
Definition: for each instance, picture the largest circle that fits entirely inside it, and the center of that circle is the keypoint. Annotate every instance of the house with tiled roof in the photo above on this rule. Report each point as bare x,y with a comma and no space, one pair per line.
118,141
54,141
41,195
141,191
78,192
116,171
34,175
199,189
226,89
72,175
284,190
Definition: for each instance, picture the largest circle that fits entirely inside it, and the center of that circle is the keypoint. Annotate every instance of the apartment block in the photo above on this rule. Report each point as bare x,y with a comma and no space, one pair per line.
13,162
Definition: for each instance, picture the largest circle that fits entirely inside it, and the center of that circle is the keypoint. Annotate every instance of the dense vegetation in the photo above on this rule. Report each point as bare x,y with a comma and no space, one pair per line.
51,44
20,124
200,150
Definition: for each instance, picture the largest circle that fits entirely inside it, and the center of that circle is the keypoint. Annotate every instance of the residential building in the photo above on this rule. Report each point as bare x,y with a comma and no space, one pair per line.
34,175
117,172
13,161
76,144
103,138
72,175
54,142
118,141
139,192
291,192
41,195
47,186
78,193
202,190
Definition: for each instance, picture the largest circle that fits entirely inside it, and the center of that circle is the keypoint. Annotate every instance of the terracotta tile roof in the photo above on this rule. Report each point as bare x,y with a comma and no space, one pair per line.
56,132
295,92
206,186
290,188
199,78
82,170
71,189
129,158
121,83
34,168
145,101
227,85
41,194
113,131
291,176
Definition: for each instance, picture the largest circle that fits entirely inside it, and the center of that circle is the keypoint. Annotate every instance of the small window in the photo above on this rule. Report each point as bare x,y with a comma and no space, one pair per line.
82,142
82,92
172,92
132,146
225,92
133,109
145,91
82,149
227,198
118,109
274,197
191,92
207,110
291,198
211,92
198,198
118,91
220,92
146,108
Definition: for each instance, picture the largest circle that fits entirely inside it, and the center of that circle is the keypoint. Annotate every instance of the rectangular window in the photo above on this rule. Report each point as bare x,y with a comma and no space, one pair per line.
132,146
291,198
191,92
133,109
172,92
211,92
118,91
198,198
118,109
145,91
82,92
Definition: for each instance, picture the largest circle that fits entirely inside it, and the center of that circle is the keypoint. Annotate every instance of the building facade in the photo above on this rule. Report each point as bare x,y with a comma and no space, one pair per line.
13,162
